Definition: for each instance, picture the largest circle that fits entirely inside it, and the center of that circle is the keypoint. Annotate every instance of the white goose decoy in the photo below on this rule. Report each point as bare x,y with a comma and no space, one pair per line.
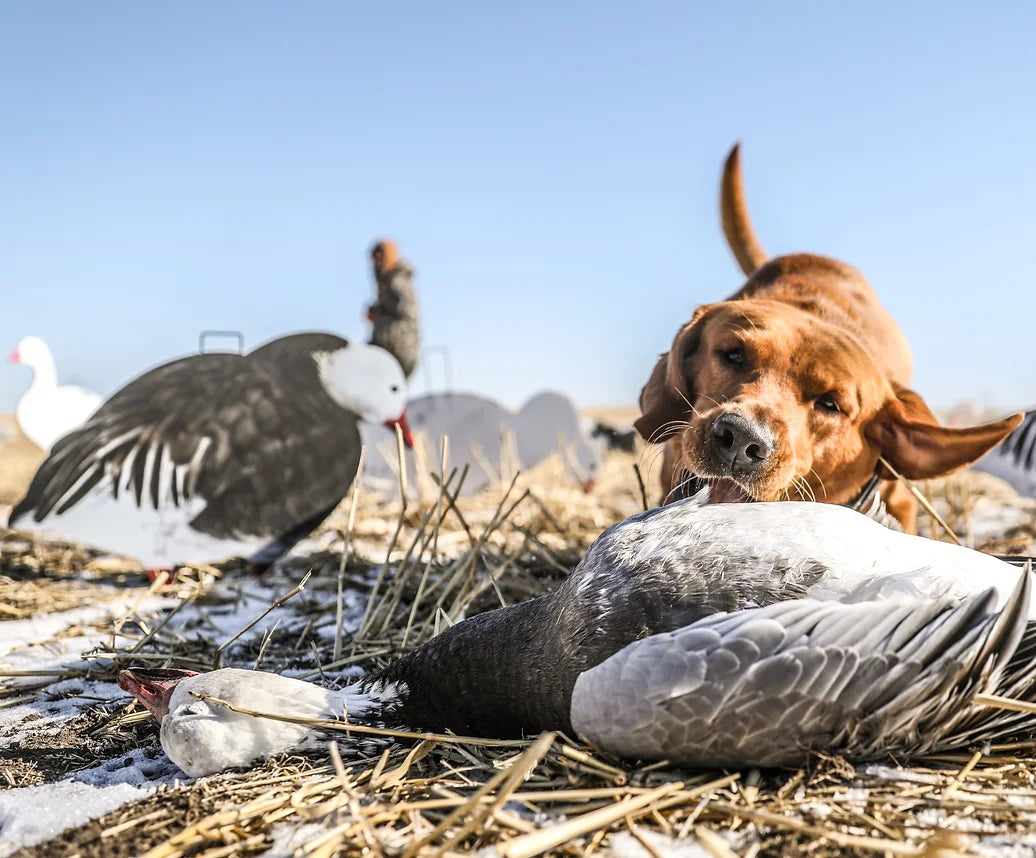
48,410
733,634
1014,459
477,427
217,455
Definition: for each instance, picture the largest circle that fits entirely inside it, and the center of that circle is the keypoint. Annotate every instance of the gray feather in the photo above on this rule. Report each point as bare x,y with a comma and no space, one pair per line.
766,686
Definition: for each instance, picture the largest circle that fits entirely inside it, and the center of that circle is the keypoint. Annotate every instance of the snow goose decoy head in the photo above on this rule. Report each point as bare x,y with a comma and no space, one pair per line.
32,352
369,382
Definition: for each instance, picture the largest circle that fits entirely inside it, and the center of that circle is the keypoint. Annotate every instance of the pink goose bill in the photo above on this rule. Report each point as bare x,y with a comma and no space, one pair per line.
404,429
153,688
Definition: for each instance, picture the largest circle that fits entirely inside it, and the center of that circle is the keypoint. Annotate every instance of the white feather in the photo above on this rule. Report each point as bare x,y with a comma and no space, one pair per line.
47,410
202,736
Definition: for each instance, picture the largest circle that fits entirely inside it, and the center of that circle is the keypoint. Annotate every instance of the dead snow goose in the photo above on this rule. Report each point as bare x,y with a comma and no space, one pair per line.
734,634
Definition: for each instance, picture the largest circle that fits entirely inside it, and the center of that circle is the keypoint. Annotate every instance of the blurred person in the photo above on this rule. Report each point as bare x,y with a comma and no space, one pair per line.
394,313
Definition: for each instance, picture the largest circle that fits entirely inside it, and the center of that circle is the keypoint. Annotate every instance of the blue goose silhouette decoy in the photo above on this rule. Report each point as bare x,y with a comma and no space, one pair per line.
218,454
1014,459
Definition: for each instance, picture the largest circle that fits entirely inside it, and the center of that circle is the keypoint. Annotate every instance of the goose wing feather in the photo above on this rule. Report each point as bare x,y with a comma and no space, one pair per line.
170,434
1012,674
767,685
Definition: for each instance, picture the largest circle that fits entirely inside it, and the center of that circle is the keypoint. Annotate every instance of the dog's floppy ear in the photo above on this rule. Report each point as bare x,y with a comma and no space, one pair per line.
914,443
665,399
660,408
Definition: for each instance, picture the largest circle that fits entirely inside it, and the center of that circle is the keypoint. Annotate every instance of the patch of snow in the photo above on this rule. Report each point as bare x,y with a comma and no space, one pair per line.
37,630
290,836
857,797
61,702
31,815
1008,846
624,845
973,824
932,817
34,814
244,601
819,809
894,773
37,660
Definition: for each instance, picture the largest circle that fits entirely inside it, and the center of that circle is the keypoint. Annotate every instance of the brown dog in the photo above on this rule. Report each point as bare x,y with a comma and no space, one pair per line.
795,388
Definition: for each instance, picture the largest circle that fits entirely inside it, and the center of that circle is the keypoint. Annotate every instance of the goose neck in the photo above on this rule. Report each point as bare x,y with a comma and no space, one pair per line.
44,373
505,672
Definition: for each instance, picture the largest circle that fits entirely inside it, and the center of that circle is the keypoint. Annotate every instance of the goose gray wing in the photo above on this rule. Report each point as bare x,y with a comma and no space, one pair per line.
1015,678
767,686
258,440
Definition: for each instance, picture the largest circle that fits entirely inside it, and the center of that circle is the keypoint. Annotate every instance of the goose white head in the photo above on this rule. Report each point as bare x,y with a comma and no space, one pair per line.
34,353
202,734
368,381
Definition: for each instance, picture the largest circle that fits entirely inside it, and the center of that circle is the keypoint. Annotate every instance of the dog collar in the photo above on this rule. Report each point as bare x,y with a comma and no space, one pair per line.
865,498
869,503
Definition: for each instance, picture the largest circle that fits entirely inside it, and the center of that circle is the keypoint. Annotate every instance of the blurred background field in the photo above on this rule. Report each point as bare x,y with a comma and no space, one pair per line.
985,512
19,459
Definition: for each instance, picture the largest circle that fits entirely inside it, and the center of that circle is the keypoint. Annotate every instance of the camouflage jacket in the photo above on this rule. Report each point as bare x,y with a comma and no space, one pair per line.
395,316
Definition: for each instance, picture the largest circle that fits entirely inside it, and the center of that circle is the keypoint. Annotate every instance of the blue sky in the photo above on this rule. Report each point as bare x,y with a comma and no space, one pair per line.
550,169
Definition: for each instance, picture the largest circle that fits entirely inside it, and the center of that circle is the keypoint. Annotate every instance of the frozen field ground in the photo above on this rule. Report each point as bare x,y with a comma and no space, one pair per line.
82,773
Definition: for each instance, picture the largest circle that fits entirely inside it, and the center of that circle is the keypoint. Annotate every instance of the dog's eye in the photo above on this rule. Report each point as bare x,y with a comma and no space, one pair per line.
734,357
827,403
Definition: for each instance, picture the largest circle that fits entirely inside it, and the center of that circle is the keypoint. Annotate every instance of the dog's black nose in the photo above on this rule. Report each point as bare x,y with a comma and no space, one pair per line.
740,446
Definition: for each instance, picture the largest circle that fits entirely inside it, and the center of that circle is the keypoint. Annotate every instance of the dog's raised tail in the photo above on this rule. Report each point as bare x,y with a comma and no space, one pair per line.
734,214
